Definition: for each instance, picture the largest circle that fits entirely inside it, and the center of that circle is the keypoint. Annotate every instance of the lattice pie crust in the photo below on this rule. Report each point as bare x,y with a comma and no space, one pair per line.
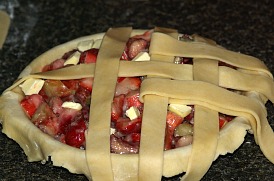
203,84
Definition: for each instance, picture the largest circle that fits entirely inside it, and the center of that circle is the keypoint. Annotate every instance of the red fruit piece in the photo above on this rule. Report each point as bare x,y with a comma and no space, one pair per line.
223,119
75,135
89,56
135,46
71,84
127,126
117,107
132,99
57,64
191,114
31,103
56,88
120,79
66,117
55,104
68,54
117,145
146,36
133,138
45,119
44,95
87,83
124,56
82,96
127,84
172,121
50,126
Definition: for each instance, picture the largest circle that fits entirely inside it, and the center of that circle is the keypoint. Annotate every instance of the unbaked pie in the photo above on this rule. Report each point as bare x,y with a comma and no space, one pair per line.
138,105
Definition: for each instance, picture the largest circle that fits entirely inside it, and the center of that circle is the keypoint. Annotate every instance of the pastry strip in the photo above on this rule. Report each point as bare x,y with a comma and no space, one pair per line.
106,72
151,152
168,31
221,100
206,124
228,77
4,24
238,80
166,45
206,70
205,139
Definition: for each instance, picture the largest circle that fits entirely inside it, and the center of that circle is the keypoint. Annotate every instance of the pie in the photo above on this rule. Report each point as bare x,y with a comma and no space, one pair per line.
138,105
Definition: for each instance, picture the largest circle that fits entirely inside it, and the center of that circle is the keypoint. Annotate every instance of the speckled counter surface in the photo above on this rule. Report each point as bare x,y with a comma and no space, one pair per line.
245,26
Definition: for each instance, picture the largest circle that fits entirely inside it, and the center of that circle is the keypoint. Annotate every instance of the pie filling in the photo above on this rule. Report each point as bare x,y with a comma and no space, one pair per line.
60,108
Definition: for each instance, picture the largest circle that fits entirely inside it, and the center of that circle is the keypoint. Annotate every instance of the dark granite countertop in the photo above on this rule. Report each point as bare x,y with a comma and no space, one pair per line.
36,26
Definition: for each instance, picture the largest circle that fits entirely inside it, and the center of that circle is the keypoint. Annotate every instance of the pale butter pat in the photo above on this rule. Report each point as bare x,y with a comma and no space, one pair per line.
133,113
85,45
32,86
112,131
73,59
181,110
142,56
72,105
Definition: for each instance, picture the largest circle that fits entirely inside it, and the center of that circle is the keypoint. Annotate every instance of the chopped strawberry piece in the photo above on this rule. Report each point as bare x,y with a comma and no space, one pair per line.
57,64
191,114
75,135
126,85
82,96
132,100
31,103
68,54
46,120
120,79
44,95
55,104
223,119
127,126
124,56
135,46
46,68
117,145
172,121
146,36
85,112
117,107
71,84
56,88
50,126
133,138
66,117
222,122
89,56
87,83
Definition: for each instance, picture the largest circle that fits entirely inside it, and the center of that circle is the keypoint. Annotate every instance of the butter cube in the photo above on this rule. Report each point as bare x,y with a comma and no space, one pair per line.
72,105
181,110
142,56
73,59
112,131
32,86
133,113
